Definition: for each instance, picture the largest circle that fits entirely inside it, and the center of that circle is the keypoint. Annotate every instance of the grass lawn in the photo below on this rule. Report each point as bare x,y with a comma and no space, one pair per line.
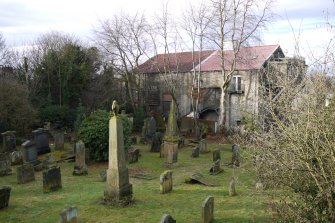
28,203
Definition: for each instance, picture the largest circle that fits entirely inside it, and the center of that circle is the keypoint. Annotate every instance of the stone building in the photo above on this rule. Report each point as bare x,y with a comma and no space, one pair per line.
172,75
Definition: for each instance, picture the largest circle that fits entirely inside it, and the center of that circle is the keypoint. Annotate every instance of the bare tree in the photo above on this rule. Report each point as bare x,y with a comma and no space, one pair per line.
5,53
124,40
235,22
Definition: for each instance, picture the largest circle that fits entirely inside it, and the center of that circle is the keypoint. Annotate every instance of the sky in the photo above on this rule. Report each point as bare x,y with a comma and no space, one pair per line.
21,21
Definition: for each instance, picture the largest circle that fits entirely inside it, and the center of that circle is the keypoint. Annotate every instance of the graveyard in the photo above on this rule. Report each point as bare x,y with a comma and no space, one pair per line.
28,202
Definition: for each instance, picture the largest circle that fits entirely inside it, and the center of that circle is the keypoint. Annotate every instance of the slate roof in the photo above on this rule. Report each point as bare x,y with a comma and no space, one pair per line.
248,58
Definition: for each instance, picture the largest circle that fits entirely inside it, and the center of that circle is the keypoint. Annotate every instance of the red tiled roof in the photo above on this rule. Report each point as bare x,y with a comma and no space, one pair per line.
248,58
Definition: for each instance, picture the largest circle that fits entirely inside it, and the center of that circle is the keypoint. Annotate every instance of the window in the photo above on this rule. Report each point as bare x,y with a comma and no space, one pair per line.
237,83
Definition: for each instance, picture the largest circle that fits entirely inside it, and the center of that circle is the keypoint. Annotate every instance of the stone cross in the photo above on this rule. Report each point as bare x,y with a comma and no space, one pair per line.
167,219
80,167
216,155
8,141
118,190
69,215
208,210
25,173
52,179
4,196
165,181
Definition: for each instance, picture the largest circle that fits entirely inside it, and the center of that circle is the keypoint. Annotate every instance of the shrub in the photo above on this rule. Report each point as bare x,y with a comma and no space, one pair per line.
139,116
94,131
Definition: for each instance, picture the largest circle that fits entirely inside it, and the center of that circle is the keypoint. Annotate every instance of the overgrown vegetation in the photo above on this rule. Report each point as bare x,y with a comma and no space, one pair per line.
94,131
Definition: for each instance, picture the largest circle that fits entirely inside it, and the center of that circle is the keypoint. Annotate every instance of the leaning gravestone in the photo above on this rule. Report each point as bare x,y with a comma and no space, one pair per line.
165,181
80,167
118,190
5,164
167,219
41,139
59,140
133,155
235,160
69,215
25,173
4,196
195,152
208,210
203,146
8,141
52,179
216,155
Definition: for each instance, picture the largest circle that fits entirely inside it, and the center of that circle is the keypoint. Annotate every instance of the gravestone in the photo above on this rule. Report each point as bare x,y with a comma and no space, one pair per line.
25,173
4,196
144,132
195,152
52,179
165,181
5,164
134,140
232,187
235,160
16,157
118,190
208,210
171,138
197,178
69,215
171,150
216,168
103,175
29,152
41,139
216,155
8,141
156,142
167,219
133,155
59,140
203,146
151,127
80,167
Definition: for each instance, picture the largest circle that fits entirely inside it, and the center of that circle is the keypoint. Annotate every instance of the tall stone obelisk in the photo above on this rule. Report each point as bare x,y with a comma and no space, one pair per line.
118,190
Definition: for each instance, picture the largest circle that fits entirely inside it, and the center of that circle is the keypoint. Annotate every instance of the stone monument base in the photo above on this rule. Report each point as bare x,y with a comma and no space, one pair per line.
121,197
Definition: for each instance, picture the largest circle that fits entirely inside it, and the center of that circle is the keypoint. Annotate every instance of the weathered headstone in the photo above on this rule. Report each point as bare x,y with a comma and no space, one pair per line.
5,164
133,155
216,168
69,215
216,155
16,157
8,141
156,142
203,146
235,160
165,181
41,139
80,167
167,219
25,173
232,187
52,179
208,210
4,196
151,127
29,152
195,152
59,140
118,190
171,149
